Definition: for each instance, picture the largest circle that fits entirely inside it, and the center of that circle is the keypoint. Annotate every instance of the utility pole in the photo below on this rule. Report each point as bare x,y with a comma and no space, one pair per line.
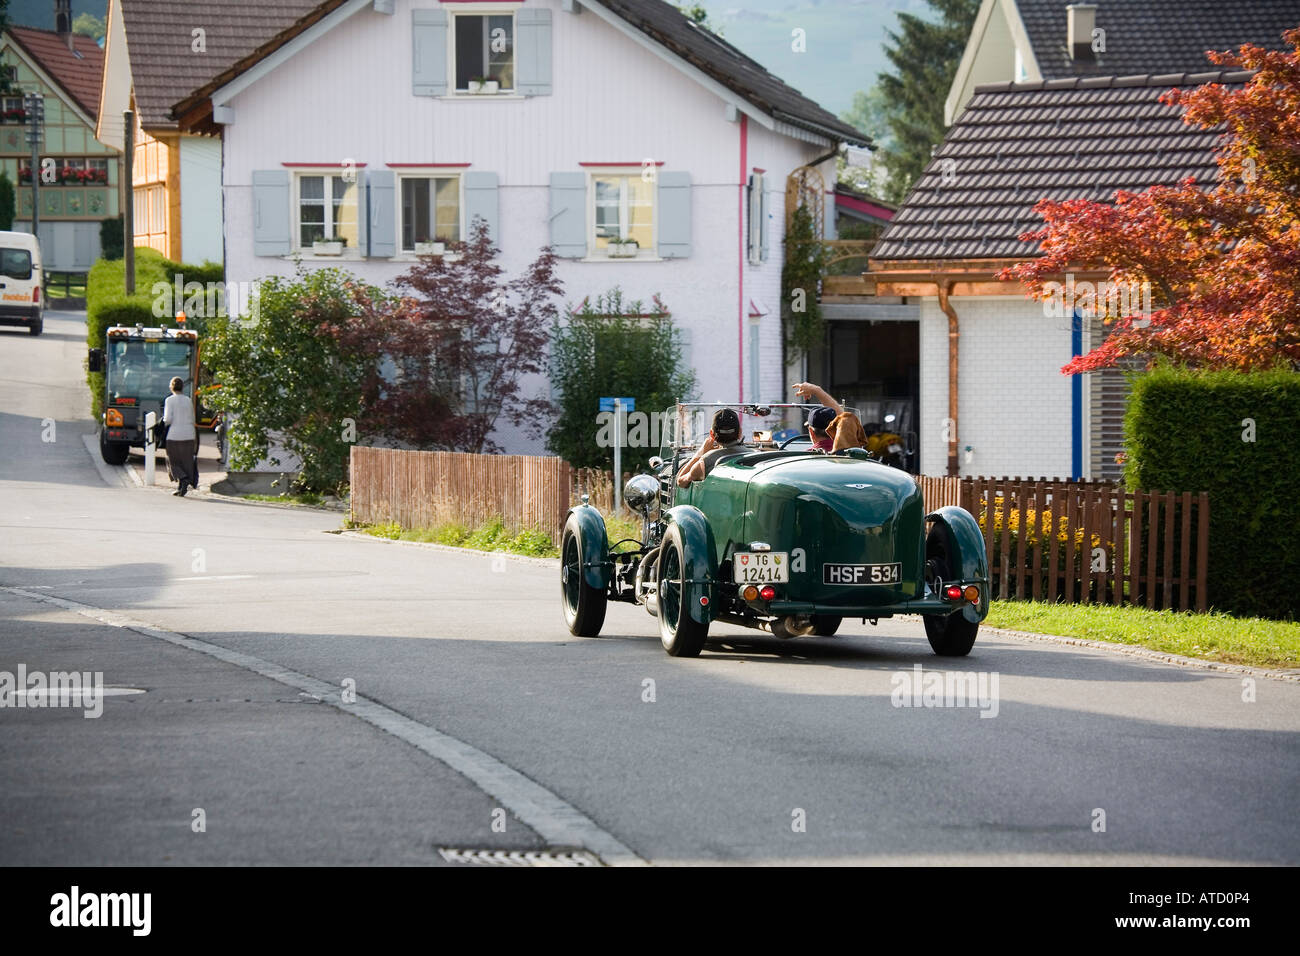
34,104
128,200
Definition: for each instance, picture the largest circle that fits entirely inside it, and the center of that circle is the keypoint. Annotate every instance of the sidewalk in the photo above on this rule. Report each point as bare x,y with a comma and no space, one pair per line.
210,468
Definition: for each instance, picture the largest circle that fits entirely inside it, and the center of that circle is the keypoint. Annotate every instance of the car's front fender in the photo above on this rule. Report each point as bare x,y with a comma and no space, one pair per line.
699,575
593,545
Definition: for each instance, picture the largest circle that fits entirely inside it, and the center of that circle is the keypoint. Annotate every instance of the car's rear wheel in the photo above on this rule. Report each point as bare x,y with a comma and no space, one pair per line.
36,327
681,635
113,453
951,635
824,625
584,606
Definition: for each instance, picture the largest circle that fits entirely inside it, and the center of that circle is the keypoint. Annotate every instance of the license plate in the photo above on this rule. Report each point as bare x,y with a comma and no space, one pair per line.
862,573
761,567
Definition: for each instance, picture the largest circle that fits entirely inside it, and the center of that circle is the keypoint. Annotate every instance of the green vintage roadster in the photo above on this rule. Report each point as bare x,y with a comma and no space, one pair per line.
789,540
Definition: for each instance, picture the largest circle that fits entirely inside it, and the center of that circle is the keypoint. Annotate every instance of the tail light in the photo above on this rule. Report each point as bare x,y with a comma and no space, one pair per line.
36,295
972,594
768,592
953,592
750,593
113,418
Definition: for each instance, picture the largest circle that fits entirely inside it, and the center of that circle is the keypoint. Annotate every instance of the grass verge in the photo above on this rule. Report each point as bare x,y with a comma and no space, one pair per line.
492,536
1213,636
307,498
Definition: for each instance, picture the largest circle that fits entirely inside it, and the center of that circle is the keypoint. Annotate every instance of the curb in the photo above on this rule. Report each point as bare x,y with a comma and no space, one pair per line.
1146,653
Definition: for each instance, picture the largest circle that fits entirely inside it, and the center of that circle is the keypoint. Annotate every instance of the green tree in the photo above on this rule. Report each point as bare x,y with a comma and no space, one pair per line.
88,25
302,375
907,105
6,202
801,276
613,347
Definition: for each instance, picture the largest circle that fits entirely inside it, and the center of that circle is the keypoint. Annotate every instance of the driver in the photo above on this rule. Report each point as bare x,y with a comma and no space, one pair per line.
723,440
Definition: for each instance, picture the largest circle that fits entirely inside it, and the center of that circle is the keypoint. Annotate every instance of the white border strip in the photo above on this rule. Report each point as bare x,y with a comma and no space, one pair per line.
558,823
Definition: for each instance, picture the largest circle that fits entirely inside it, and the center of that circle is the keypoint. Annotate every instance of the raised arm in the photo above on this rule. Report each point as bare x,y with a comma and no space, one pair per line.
809,391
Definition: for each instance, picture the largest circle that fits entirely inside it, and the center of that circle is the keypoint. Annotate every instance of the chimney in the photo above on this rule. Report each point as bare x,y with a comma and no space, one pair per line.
63,20
1081,18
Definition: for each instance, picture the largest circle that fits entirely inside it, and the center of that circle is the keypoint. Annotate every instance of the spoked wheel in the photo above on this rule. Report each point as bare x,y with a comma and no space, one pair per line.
584,606
951,635
682,636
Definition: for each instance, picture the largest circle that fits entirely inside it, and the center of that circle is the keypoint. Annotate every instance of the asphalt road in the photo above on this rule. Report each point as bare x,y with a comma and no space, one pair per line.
233,634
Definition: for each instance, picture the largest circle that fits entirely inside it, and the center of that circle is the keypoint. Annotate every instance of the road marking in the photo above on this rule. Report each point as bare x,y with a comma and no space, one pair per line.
216,577
556,821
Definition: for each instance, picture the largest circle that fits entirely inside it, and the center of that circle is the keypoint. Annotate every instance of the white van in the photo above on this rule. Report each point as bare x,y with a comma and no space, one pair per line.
21,299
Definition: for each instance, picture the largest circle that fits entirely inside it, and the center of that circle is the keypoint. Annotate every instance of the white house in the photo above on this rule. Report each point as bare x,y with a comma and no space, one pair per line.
611,119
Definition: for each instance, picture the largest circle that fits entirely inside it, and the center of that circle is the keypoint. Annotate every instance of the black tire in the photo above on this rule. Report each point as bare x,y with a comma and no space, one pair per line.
113,453
951,635
824,625
584,606
36,327
680,634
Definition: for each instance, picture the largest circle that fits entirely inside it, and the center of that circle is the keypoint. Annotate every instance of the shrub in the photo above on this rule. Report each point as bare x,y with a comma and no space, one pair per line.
1231,434
111,245
6,202
613,347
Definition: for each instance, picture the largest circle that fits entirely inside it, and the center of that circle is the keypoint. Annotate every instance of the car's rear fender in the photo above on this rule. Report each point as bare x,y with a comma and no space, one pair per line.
972,564
699,572
593,542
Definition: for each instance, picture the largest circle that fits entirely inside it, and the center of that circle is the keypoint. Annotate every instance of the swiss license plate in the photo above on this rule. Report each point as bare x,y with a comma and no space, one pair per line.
862,573
761,567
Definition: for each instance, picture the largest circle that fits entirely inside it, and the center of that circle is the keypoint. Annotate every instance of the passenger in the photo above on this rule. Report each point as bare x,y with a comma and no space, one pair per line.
847,432
723,440
820,419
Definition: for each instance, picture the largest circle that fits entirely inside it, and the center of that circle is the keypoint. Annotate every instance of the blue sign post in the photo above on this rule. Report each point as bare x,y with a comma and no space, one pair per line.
618,406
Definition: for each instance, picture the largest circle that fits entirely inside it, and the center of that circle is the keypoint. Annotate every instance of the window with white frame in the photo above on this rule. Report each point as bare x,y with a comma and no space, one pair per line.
430,210
623,212
484,49
327,208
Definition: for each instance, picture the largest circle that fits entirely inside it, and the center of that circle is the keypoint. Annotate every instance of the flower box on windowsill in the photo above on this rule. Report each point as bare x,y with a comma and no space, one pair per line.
325,247
624,250
430,248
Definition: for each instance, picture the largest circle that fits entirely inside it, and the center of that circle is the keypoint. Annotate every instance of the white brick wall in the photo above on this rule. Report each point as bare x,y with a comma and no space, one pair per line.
1013,401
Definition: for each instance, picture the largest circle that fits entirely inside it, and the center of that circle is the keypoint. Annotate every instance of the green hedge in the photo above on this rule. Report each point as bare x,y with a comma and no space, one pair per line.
107,303
1190,431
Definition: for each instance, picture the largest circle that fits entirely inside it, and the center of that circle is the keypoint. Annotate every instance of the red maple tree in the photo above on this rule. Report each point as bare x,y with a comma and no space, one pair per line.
1223,263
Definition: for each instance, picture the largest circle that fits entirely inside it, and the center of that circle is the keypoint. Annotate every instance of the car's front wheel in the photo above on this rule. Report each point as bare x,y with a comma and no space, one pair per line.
681,635
584,606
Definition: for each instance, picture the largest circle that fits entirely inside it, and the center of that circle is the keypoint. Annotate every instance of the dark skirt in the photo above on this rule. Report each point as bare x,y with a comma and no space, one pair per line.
183,462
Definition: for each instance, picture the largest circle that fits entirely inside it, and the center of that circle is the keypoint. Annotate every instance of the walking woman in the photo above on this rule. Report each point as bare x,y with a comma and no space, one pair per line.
182,439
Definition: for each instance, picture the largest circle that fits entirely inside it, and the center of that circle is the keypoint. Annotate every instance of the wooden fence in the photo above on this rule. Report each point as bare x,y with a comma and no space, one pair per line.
423,489
1086,542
